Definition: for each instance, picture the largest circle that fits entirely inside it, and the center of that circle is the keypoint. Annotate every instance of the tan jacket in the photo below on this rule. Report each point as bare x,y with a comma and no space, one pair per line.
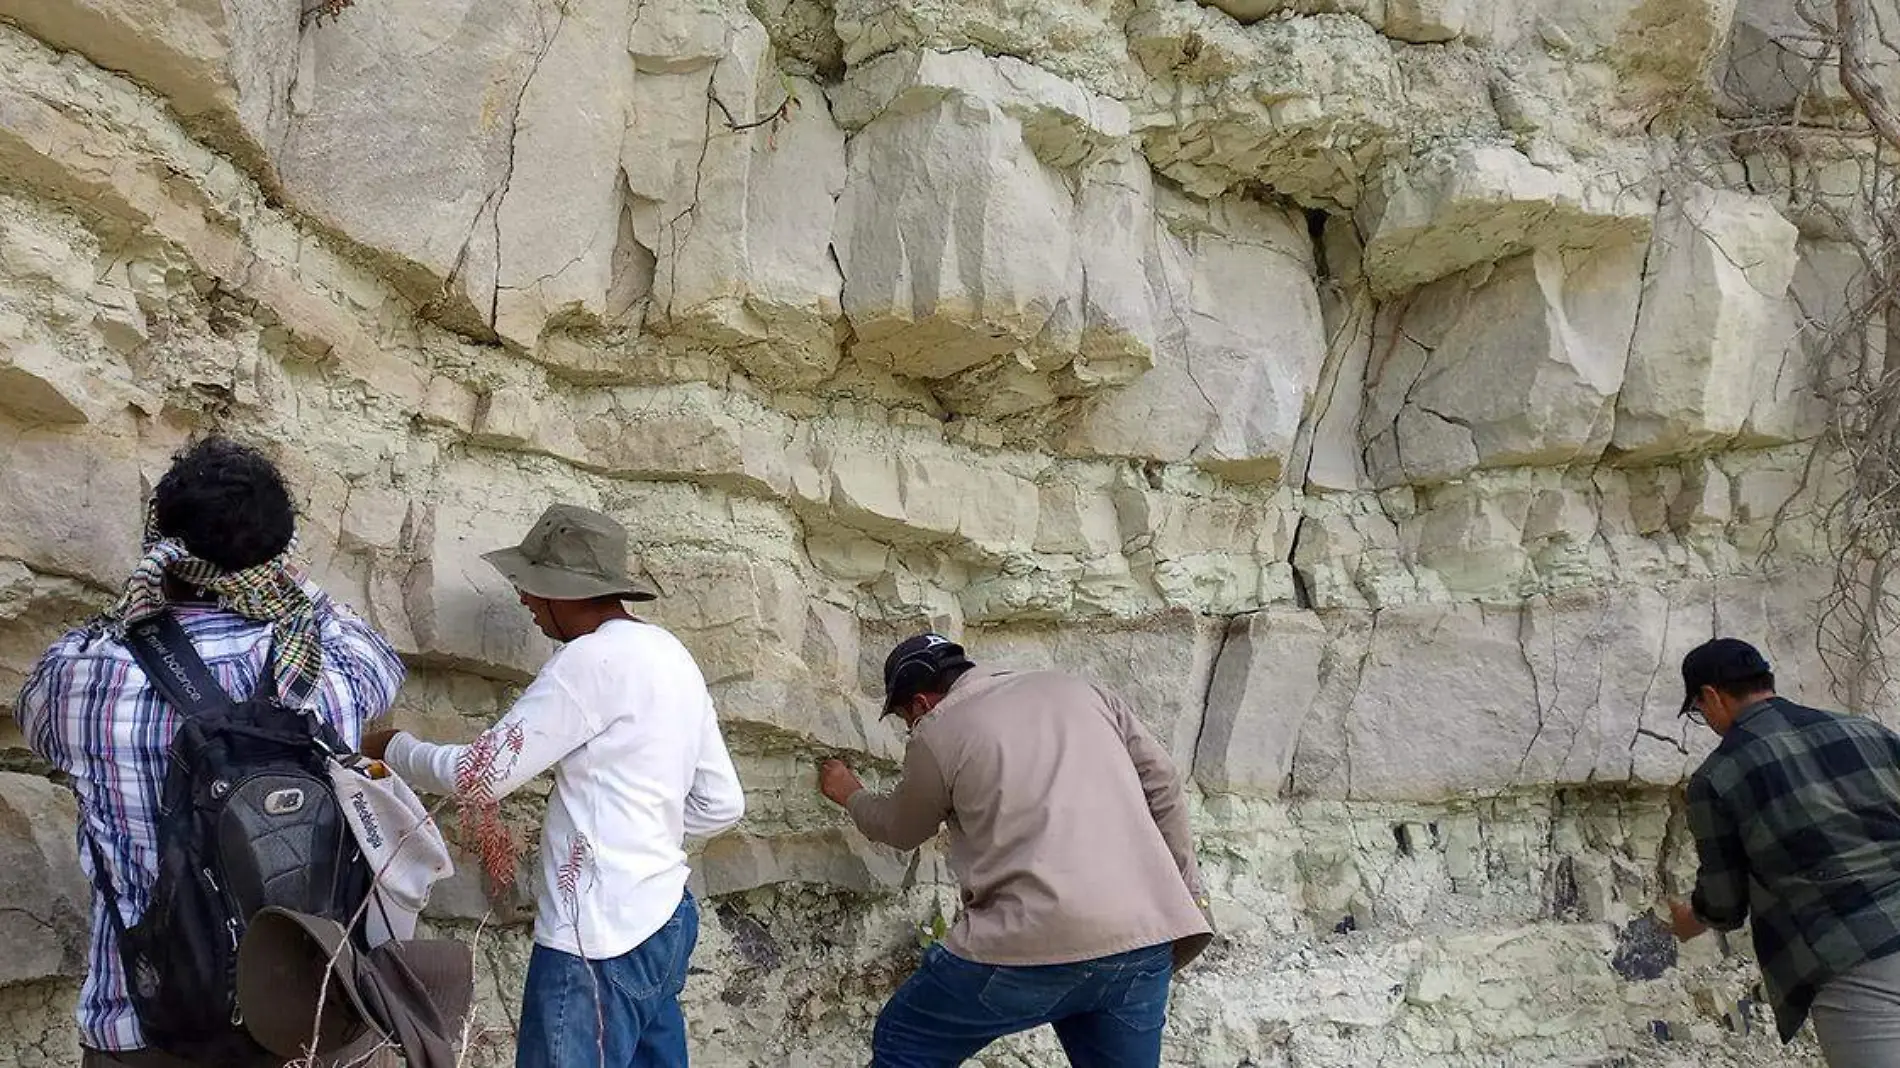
1068,830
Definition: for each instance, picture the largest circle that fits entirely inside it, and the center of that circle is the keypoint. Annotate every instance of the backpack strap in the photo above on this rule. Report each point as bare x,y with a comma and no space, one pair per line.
165,652
172,664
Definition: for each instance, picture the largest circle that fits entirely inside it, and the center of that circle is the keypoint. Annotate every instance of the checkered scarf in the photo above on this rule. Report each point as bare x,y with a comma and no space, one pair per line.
267,593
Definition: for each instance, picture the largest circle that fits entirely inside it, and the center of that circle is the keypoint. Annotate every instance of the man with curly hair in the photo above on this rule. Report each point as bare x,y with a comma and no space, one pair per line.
217,557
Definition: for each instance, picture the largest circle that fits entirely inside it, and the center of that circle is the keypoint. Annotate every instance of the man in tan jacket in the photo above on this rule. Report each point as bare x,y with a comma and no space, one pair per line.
1069,836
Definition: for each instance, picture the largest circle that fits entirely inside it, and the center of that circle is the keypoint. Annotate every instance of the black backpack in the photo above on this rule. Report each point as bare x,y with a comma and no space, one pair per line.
248,819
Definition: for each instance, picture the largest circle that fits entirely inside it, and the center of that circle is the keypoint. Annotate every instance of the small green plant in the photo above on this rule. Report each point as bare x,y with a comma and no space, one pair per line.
932,930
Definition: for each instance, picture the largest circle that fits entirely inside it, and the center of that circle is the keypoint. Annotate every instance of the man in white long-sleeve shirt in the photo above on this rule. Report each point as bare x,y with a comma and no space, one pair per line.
622,715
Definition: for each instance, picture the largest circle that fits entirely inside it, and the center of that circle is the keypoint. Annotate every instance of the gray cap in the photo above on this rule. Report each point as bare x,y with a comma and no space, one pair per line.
572,554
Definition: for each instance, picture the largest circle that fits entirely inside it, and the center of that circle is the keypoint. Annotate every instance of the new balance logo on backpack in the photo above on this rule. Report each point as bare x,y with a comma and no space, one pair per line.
249,819
173,669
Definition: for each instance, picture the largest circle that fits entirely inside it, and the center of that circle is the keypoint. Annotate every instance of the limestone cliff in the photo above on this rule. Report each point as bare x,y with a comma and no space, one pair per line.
1383,393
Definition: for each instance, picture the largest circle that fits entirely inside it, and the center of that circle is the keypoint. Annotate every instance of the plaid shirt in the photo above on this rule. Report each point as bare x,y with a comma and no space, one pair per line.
1796,818
89,711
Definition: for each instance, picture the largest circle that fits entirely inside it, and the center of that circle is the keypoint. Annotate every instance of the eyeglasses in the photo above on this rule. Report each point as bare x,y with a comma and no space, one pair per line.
1695,714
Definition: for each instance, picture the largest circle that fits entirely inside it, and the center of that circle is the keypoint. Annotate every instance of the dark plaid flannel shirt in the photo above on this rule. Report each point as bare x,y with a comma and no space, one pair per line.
1796,818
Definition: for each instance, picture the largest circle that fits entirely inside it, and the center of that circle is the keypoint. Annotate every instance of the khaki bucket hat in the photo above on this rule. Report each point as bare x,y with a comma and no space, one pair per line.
572,554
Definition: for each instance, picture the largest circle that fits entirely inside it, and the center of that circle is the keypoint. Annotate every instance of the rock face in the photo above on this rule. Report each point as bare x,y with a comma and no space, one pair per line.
47,917
1377,392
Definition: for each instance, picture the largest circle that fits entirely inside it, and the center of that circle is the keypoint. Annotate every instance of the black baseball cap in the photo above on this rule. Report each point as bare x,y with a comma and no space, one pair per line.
1715,662
917,660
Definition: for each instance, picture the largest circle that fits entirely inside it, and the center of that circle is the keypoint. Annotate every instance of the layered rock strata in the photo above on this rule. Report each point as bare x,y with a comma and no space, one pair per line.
1384,394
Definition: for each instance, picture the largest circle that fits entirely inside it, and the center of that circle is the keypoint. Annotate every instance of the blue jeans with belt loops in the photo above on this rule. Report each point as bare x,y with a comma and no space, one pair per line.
618,1013
1107,1012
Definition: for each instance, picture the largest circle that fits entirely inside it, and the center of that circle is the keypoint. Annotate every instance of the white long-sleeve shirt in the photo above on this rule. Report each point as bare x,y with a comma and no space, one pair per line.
623,717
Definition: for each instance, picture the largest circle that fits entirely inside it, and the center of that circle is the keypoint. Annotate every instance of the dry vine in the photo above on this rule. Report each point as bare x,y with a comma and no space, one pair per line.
1858,455
1833,162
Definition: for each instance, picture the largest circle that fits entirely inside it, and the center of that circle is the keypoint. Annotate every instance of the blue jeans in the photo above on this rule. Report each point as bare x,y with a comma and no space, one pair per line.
623,1012
1108,1012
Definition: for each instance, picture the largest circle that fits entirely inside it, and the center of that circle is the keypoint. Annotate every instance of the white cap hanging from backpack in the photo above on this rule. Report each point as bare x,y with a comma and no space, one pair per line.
399,839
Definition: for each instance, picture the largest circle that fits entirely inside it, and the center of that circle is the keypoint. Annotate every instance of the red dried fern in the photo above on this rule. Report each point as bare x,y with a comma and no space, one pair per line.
487,761
567,877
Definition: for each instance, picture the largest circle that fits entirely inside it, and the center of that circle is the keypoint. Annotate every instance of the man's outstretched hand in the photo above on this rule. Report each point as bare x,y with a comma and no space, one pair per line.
837,781
1683,921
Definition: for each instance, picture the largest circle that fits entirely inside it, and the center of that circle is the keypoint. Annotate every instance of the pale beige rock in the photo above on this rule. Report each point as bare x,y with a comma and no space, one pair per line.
16,589
1107,325
908,489
1665,48
1455,974
1228,109
1803,344
45,252
1328,453
35,609
1114,311
669,432
1234,371
1218,555
1719,269
225,68
1467,541
1303,106
861,491
1652,46
1608,685
804,33
733,173
1501,770
1455,207
1077,519
1425,21
1464,699
1063,123
70,504
1347,555
1265,679
933,280
1564,535
1517,365
460,610
991,508
1077,39
742,619
47,918
1160,666
557,213
792,308
36,386
403,137
51,140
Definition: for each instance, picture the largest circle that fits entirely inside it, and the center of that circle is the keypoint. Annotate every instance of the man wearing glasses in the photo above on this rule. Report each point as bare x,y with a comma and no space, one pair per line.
1796,816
